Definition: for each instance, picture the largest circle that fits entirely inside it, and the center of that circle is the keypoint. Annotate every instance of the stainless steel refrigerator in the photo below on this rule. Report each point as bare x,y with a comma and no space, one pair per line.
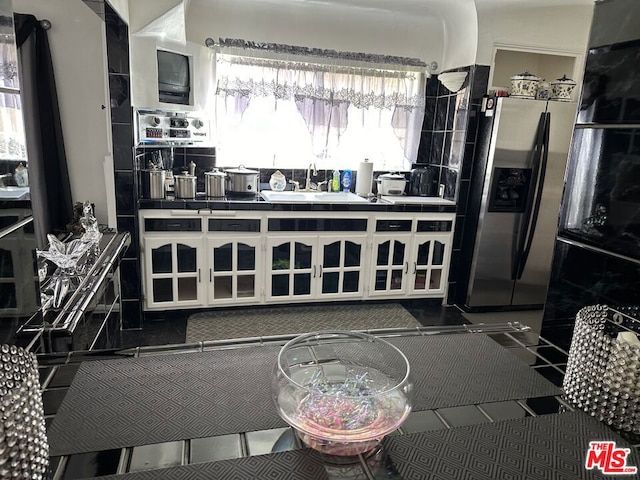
516,188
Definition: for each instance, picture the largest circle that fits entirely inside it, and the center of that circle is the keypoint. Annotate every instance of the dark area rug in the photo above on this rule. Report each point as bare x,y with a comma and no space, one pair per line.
262,322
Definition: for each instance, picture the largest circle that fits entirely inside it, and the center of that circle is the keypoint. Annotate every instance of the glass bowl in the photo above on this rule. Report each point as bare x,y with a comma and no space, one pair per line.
342,391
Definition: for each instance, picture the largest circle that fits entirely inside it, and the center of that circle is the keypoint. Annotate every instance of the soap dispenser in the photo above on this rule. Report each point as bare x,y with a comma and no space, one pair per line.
346,180
335,181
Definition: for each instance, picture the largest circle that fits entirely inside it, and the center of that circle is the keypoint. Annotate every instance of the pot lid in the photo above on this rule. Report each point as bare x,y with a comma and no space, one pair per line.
563,81
242,170
392,176
215,173
184,175
277,175
526,75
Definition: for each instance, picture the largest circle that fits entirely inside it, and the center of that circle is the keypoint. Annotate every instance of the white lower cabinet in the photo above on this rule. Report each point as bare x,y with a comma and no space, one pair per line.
313,267
390,265
208,265
234,269
429,264
173,272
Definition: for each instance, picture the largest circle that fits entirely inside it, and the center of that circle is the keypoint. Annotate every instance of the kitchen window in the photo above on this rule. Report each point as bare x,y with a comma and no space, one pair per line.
288,114
12,137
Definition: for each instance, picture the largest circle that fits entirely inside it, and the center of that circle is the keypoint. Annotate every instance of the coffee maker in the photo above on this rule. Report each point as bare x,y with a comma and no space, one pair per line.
423,181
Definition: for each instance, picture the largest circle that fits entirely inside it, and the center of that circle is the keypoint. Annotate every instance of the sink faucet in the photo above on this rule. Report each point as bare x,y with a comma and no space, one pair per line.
309,185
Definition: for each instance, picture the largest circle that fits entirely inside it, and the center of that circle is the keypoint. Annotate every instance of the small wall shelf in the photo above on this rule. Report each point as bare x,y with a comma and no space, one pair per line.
509,60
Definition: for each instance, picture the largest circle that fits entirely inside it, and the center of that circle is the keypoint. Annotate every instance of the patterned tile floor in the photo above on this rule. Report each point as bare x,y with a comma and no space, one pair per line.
57,374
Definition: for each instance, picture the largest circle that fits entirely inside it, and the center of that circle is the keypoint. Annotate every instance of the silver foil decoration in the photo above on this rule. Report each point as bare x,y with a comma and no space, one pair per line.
603,370
24,450
66,256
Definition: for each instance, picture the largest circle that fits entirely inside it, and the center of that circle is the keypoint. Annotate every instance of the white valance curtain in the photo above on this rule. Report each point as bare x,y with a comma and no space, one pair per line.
348,112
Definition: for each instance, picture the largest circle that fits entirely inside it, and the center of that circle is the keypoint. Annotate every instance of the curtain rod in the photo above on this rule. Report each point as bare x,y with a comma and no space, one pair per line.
312,64
315,52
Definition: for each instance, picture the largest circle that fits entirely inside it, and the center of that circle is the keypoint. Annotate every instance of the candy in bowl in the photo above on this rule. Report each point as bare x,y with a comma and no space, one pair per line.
342,391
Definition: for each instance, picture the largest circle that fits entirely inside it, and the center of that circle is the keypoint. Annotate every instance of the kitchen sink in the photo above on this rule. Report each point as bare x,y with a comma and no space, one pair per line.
311,197
14,193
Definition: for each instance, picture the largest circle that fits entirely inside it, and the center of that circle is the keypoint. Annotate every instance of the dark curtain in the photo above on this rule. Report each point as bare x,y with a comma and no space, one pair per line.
48,173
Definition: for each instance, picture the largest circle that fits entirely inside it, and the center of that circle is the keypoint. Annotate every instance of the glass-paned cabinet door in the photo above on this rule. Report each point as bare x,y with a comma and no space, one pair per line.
291,267
340,266
391,265
428,263
173,272
234,270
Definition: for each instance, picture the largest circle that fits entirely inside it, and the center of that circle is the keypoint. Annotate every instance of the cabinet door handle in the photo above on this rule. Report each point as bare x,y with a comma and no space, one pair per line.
406,267
199,279
415,267
320,275
314,271
211,275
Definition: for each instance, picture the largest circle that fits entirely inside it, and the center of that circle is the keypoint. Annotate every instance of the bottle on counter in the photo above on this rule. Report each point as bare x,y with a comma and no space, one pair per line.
346,180
335,181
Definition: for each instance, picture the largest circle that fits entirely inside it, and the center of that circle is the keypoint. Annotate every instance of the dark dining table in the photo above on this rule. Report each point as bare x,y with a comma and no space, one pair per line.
488,404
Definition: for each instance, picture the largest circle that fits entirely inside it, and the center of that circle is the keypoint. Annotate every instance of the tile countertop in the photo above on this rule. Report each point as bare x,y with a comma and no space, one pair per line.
58,370
382,204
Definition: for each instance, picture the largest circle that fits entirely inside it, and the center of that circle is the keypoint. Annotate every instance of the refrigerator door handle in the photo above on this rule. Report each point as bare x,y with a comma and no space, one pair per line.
523,228
538,197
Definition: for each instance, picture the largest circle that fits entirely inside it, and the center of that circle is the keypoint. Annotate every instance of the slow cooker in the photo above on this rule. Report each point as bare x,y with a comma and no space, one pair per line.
242,181
391,184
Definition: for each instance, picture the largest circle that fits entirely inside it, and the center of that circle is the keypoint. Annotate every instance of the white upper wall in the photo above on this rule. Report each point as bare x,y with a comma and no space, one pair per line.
345,25
547,26
77,43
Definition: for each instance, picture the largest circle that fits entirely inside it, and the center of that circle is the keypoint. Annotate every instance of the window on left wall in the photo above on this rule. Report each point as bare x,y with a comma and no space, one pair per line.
288,114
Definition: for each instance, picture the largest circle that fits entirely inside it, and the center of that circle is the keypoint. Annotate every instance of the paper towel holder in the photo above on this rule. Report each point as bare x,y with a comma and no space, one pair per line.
364,179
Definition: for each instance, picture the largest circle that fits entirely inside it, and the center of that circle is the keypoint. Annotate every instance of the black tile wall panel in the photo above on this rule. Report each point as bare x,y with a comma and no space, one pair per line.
129,224
442,109
122,138
120,98
131,314
117,47
480,83
429,113
433,84
451,111
437,147
125,193
130,279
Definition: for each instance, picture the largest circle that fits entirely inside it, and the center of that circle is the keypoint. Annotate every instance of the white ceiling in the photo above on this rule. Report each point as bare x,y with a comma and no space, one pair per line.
424,6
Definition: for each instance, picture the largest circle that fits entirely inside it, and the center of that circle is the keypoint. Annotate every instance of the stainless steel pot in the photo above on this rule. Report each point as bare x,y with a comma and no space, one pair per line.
153,183
185,185
214,183
391,184
242,180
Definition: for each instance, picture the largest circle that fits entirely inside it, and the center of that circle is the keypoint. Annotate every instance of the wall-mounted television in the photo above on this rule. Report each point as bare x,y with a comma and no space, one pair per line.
174,79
